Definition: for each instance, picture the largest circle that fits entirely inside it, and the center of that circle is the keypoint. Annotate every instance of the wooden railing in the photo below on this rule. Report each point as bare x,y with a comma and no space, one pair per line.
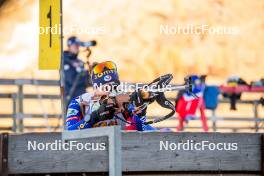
18,114
148,153
18,97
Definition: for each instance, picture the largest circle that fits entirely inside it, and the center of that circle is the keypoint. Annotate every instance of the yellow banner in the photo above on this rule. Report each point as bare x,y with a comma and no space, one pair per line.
49,34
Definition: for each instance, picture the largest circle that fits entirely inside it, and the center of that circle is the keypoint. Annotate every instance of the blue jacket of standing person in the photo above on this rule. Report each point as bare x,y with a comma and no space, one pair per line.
76,77
74,71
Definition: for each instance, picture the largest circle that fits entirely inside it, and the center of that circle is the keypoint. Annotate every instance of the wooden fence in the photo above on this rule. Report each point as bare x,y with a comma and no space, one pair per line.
18,98
18,114
142,153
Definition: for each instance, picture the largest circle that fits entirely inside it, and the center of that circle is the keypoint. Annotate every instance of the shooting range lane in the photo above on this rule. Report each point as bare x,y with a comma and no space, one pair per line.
140,152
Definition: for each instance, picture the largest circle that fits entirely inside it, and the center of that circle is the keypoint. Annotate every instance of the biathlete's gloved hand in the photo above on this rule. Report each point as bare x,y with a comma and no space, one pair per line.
105,112
138,98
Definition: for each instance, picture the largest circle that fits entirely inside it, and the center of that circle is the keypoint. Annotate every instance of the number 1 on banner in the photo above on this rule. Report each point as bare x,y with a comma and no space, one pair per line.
49,34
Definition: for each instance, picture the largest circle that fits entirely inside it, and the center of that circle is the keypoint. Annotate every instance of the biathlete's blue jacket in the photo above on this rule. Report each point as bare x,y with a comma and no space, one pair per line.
80,109
75,119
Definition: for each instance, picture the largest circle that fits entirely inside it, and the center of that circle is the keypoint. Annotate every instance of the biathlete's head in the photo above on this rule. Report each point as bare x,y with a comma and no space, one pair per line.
104,76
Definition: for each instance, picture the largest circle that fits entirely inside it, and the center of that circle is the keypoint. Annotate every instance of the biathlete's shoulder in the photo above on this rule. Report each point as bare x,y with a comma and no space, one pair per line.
86,97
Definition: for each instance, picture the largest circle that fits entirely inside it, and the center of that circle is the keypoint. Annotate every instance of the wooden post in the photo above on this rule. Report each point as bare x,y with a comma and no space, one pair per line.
20,107
4,154
61,72
115,153
214,120
255,108
114,144
14,127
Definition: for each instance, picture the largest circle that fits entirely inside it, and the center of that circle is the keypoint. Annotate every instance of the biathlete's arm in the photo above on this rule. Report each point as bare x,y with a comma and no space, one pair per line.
80,125
75,118
139,121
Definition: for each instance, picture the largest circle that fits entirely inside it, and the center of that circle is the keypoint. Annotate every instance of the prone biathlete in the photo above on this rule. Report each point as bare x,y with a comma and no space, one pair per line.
89,111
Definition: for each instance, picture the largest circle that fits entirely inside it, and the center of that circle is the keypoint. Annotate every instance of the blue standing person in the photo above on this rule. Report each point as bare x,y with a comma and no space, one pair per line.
76,77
